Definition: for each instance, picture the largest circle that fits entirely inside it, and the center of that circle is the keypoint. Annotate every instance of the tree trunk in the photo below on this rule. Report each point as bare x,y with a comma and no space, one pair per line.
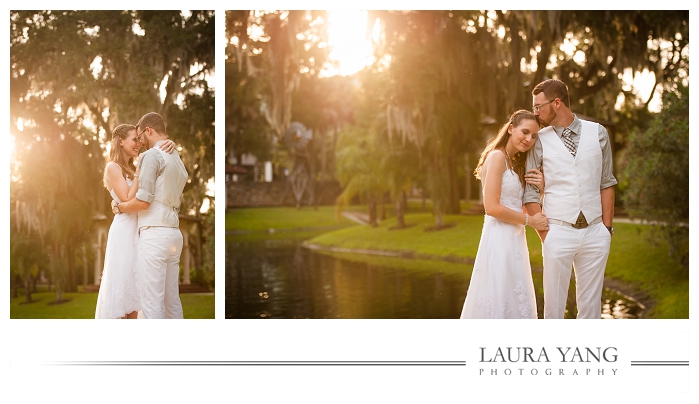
199,258
372,210
85,267
57,265
542,59
438,215
454,207
59,292
27,290
323,159
467,166
72,281
15,286
333,167
383,207
312,180
399,212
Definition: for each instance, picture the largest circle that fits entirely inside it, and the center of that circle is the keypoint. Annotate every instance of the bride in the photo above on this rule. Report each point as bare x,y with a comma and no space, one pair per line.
501,283
119,290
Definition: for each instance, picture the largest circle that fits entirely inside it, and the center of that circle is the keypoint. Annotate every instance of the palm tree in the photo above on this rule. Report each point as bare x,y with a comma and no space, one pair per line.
359,168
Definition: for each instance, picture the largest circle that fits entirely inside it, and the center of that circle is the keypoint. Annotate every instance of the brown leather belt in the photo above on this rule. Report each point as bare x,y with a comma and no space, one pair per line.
576,225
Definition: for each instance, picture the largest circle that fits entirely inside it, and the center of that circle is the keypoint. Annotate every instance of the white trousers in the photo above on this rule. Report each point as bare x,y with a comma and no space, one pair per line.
586,250
159,269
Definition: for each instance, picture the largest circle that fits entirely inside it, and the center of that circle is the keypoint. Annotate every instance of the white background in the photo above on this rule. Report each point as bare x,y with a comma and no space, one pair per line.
29,346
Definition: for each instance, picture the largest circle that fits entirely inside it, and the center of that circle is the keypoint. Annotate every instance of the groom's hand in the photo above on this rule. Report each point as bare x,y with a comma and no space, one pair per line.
532,209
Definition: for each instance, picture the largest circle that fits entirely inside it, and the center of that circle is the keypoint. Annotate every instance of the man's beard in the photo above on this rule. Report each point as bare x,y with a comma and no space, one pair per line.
545,124
146,143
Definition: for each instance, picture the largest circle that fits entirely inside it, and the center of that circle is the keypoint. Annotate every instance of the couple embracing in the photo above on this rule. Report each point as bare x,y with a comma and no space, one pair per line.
144,244
571,210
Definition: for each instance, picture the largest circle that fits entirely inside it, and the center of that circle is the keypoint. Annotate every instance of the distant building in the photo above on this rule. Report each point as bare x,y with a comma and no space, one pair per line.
249,169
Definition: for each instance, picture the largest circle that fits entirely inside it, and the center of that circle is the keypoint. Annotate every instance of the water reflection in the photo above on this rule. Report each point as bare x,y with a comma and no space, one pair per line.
278,278
618,305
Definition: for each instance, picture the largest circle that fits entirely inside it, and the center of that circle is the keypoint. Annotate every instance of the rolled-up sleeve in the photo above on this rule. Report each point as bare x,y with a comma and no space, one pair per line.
534,160
608,179
150,166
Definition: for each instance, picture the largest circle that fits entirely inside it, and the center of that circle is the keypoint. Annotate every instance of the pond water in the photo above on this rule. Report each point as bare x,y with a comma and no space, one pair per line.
274,276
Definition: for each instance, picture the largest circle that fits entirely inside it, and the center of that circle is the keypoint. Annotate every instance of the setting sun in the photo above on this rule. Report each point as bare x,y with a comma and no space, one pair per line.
347,38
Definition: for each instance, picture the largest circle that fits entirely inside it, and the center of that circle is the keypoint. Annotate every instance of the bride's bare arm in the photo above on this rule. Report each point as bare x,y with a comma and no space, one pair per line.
118,183
134,185
493,168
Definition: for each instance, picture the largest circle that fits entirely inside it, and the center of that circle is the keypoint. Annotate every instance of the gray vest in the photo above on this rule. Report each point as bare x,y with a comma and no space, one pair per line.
165,208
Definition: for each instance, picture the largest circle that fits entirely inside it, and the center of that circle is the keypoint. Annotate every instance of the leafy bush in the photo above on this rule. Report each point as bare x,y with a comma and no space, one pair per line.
658,173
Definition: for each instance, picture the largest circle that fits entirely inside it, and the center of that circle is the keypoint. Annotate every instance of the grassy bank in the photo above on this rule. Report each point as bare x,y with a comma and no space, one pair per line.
285,218
643,270
458,242
82,305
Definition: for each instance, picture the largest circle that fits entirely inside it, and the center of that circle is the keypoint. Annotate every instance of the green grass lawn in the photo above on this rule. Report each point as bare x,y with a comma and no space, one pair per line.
413,206
82,305
459,242
644,269
286,218
263,219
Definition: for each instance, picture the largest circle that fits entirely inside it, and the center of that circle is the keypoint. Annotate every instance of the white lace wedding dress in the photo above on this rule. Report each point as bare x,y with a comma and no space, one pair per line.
501,282
119,289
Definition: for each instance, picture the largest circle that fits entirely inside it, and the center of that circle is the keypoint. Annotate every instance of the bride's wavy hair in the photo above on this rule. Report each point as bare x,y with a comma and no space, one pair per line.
519,159
128,169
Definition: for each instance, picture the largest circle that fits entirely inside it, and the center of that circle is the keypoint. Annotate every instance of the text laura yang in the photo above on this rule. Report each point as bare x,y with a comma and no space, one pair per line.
544,355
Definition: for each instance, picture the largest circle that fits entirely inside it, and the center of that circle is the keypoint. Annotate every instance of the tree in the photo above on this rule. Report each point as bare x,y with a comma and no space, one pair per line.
437,103
399,171
276,58
450,70
24,260
658,172
74,75
247,130
47,204
322,104
359,165
278,47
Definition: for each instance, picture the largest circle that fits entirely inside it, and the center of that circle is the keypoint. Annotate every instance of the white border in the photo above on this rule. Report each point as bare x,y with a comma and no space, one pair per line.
28,342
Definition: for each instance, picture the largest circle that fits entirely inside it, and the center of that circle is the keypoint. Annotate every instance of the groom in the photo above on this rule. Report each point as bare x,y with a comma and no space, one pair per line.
161,181
576,157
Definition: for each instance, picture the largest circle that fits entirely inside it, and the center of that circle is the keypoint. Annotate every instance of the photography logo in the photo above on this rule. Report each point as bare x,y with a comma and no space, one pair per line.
547,361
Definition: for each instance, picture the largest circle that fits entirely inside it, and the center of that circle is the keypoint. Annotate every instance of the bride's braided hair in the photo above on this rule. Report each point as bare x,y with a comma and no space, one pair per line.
128,169
500,141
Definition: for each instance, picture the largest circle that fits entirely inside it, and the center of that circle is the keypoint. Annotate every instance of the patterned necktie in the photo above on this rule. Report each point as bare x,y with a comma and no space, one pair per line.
568,141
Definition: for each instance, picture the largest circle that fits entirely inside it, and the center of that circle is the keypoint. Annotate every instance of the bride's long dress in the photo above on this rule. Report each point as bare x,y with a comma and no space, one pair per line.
501,283
119,291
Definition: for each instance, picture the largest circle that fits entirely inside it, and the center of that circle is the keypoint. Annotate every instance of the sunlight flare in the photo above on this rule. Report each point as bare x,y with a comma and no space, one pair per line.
350,47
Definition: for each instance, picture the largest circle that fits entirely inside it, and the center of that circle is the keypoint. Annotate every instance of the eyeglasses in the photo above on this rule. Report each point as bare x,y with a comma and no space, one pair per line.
537,107
138,137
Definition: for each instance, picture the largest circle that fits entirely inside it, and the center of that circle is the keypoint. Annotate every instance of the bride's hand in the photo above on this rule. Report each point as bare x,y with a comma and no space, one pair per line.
536,178
539,221
114,207
168,146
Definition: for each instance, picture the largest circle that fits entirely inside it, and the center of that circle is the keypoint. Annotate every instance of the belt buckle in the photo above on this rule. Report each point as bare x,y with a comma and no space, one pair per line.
581,222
